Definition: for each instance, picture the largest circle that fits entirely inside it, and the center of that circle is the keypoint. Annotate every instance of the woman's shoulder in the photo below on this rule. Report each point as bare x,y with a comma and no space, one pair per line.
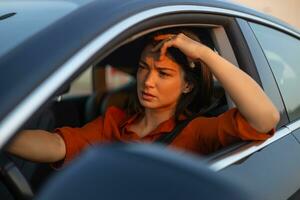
115,111
211,124
209,120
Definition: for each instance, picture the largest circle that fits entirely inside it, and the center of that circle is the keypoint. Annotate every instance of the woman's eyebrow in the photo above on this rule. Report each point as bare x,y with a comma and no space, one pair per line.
165,68
157,67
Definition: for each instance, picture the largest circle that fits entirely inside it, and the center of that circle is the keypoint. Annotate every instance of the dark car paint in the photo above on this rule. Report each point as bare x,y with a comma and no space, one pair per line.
273,172
297,134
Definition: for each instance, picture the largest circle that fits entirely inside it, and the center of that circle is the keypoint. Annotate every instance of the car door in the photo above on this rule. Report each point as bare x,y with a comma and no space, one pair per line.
271,169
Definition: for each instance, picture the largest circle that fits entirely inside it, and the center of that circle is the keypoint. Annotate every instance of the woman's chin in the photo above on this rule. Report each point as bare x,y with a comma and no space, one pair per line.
147,104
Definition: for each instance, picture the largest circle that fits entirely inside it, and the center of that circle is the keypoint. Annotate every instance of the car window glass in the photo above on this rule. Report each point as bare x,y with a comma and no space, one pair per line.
282,52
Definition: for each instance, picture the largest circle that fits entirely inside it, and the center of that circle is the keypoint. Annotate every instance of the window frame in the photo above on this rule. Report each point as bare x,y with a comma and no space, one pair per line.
227,156
234,154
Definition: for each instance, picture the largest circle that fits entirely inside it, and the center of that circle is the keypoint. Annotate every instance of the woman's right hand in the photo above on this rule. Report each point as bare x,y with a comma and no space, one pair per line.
194,50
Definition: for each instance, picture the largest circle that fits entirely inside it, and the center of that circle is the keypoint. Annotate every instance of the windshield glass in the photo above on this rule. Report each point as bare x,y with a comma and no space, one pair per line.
20,19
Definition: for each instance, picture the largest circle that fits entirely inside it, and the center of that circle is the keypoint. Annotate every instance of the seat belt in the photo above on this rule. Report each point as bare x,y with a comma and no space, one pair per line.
169,137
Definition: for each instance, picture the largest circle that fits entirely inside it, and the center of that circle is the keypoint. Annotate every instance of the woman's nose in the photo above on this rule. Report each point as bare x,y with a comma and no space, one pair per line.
150,79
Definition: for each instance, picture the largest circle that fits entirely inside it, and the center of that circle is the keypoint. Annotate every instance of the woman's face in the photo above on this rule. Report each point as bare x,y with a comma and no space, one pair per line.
160,82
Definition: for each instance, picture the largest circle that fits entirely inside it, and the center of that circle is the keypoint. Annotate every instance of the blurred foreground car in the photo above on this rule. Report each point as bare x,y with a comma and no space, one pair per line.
48,47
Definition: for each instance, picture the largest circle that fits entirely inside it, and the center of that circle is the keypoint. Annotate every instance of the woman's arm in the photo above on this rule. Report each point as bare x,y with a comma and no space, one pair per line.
38,146
249,98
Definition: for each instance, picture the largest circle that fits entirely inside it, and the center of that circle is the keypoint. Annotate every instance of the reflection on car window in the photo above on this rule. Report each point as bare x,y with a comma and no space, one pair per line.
282,52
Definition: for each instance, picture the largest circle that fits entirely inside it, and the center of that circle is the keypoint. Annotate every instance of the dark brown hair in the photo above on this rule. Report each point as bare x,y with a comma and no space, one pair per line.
200,78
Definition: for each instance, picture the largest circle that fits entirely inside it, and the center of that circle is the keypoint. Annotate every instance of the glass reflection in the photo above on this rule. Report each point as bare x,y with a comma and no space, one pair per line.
283,54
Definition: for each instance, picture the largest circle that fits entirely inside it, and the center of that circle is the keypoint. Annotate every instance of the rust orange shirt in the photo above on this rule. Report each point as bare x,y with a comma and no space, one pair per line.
202,135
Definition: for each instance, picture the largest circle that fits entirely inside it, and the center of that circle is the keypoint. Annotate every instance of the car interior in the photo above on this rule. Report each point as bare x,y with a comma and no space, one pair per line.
110,81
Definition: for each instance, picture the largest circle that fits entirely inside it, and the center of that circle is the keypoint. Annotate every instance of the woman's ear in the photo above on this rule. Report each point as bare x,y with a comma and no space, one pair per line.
187,88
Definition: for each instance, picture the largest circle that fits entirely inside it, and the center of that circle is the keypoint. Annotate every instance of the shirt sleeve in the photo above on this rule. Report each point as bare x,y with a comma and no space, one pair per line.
102,129
76,139
227,128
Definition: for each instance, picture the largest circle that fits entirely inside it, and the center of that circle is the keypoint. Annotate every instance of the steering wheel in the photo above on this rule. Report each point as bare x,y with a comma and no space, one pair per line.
13,178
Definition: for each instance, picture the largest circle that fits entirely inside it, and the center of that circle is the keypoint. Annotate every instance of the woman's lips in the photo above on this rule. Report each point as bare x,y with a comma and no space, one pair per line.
147,96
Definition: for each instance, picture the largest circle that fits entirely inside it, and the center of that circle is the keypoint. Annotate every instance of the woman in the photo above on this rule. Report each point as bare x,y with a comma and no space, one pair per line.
169,81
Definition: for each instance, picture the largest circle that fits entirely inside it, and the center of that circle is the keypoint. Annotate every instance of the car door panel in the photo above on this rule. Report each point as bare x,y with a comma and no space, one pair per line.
272,173
296,133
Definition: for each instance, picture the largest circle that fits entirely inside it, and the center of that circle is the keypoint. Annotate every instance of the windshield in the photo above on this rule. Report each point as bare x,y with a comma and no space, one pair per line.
20,19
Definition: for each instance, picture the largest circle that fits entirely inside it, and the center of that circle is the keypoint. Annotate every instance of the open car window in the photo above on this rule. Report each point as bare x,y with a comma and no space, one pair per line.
108,82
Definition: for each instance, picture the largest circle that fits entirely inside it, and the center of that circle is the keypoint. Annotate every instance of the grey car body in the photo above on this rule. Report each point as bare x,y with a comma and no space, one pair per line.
38,66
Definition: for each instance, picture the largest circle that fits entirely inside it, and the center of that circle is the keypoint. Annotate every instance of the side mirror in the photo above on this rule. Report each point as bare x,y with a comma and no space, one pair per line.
138,171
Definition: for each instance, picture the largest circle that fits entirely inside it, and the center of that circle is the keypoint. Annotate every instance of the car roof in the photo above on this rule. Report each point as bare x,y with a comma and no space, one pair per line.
25,67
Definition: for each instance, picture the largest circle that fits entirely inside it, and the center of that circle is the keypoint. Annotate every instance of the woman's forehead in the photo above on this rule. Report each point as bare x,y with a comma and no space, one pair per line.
147,51
165,63
155,55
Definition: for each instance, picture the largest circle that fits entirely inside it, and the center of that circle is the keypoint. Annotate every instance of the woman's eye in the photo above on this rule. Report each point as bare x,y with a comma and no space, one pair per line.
163,74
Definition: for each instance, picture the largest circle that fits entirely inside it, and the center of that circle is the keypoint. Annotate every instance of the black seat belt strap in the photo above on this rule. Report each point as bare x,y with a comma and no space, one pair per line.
169,137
